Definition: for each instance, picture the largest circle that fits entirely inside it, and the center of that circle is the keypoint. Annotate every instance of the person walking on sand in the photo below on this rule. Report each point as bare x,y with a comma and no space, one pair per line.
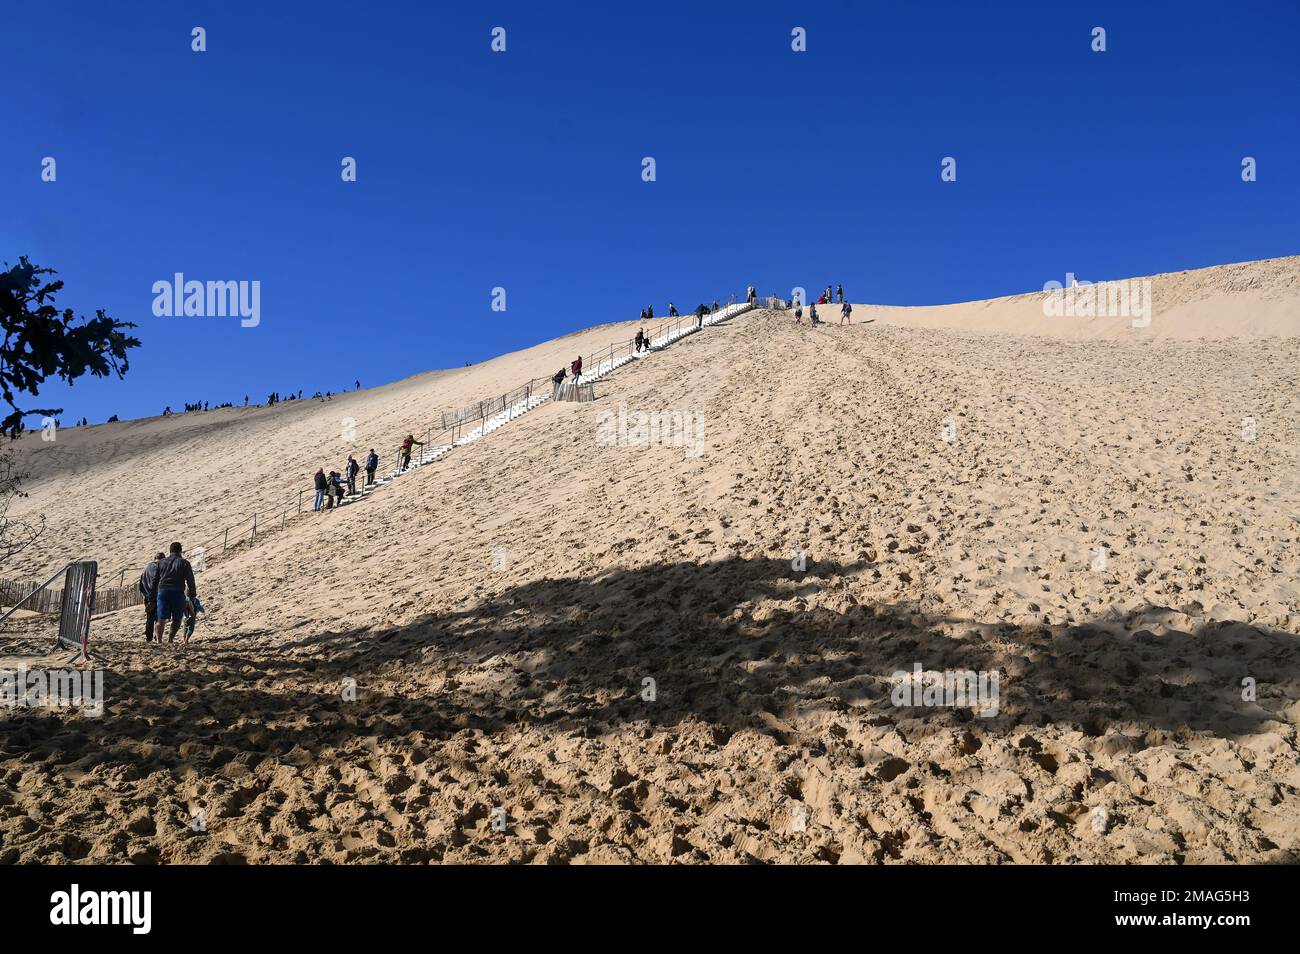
148,587
839,292
352,469
407,443
640,339
175,582
846,313
672,310
372,464
798,312
812,315
321,485
700,312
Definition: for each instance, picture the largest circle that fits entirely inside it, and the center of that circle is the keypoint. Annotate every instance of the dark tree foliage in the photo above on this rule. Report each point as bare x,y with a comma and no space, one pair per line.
41,342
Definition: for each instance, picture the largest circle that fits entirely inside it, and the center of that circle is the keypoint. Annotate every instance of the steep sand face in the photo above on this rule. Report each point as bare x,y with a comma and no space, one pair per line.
115,492
1090,520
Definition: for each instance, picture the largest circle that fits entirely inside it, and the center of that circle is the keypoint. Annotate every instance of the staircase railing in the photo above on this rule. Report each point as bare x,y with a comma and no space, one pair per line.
453,428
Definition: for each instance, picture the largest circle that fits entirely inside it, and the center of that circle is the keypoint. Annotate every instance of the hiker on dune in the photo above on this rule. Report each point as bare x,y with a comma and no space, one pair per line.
320,484
148,587
846,313
175,581
352,469
407,443
372,464
190,616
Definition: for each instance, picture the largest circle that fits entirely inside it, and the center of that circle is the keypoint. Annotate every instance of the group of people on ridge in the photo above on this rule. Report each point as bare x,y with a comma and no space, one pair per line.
825,298
649,311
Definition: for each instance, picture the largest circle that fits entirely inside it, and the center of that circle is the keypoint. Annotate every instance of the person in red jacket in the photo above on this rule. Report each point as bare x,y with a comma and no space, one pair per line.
407,443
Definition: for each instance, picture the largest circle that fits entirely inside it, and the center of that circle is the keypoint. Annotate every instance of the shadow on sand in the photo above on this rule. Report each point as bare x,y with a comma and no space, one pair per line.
573,654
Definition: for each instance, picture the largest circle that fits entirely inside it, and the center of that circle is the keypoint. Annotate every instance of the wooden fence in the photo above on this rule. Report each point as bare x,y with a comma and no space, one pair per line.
50,600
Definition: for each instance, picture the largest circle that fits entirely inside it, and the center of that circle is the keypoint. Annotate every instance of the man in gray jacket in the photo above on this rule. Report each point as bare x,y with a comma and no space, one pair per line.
148,586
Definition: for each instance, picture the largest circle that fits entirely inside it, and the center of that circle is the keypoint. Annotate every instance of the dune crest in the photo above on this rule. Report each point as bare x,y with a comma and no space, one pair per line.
1244,300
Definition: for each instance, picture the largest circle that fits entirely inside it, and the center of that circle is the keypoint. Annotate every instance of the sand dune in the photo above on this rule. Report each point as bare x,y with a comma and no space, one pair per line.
111,491
969,487
1246,300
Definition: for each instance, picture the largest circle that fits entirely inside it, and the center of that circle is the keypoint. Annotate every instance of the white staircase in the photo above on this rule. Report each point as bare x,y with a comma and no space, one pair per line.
428,455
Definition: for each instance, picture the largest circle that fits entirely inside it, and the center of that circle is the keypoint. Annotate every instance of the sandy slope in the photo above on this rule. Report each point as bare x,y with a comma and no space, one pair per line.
1244,300
500,612
189,476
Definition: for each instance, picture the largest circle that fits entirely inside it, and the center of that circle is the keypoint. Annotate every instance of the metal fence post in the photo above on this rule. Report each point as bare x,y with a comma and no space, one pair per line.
254,536
225,540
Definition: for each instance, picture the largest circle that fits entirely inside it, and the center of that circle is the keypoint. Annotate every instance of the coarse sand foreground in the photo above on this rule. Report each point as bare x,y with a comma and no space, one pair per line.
607,648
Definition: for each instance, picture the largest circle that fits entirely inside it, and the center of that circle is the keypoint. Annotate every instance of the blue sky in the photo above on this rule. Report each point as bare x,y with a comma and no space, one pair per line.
523,169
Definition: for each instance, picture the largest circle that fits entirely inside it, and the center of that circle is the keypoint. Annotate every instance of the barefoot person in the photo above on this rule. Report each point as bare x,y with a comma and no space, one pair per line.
846,313
175,582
